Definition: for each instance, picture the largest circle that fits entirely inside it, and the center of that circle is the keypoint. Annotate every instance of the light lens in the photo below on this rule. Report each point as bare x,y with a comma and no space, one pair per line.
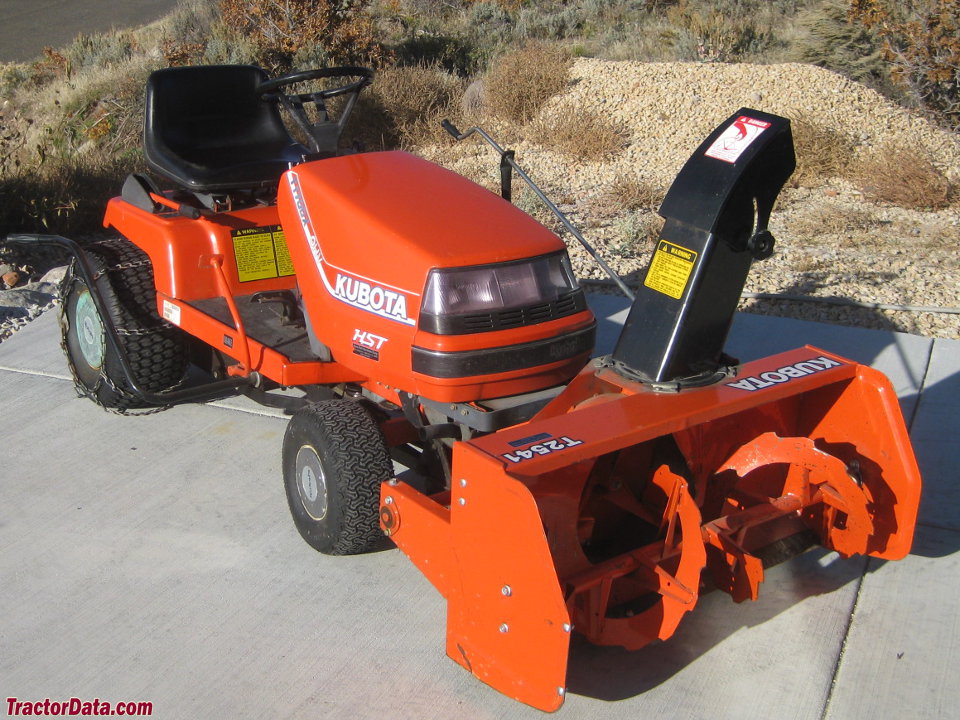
462,291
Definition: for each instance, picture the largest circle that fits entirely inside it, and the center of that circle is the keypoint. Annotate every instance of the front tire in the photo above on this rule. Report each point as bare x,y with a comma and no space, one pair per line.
334,459
156,350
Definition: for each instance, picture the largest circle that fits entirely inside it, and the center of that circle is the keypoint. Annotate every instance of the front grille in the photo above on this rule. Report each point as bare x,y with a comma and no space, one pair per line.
569,304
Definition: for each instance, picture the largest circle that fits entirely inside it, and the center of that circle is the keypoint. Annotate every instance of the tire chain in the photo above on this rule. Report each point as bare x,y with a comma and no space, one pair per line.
104,379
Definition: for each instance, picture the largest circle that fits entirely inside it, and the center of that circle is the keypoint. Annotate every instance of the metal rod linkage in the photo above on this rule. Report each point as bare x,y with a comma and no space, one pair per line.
506,156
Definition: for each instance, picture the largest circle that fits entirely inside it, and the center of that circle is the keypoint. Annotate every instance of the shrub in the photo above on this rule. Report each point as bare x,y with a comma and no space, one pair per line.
629,192
921,40
404,106
451,52
582,134
99,50
722,31
904,176
63,197
635,234
520,83
822,152
280,29
830,40
187,31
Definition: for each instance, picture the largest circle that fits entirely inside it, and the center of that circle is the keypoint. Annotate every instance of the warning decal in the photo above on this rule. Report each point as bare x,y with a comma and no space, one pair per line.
670,269
284,263
261,253
736,138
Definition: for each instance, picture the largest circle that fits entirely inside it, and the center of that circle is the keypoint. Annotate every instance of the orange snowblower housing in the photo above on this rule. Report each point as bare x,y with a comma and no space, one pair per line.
429,282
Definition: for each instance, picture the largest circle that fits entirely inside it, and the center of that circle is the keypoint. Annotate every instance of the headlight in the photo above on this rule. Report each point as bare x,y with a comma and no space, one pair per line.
492,288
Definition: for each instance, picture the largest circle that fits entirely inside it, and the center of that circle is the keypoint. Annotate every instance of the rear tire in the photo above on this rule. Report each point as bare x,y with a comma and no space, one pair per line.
334,459
157,351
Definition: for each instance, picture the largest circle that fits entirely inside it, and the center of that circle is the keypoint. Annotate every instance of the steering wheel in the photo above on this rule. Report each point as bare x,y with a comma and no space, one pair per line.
323,134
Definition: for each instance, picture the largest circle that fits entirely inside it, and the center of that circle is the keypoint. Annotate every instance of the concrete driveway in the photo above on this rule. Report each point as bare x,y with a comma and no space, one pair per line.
152,559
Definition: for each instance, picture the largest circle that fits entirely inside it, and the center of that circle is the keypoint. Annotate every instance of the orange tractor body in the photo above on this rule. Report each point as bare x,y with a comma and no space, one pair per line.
429,322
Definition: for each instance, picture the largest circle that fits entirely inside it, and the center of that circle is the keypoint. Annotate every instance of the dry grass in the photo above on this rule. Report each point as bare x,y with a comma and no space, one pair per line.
823,225
519,83
584,135
68,144
904,176
627,193
67,198
822,152
404,106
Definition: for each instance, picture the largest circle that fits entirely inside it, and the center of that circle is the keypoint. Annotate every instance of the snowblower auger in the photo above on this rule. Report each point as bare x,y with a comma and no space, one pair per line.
665,467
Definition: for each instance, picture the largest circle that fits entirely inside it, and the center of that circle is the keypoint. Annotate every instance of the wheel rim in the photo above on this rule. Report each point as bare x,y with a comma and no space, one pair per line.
311,482
90,335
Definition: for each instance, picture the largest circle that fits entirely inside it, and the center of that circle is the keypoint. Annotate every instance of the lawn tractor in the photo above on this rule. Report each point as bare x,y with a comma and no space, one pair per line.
429,324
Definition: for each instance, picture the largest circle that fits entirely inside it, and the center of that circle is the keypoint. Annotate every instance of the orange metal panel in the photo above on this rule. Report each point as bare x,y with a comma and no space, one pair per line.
421,528
849,410
175,245
864,424
628,412
266,361
507,620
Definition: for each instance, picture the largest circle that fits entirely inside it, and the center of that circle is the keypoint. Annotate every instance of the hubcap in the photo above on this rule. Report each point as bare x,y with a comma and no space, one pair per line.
311,483
89,331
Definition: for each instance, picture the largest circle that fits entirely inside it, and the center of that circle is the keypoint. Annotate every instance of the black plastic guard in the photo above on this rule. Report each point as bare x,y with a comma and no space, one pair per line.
716,224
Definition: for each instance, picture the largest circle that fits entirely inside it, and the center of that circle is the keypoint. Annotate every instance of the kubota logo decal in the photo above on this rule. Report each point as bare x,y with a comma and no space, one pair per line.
304,217
784,374
363,293
373,298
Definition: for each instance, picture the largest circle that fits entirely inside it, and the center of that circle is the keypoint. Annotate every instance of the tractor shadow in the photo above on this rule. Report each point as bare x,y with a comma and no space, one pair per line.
611,673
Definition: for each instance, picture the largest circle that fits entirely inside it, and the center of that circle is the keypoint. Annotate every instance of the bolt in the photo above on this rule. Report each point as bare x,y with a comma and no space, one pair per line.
504,628
393,482
506,591
463,482
462,501
567,627
561,691
388,500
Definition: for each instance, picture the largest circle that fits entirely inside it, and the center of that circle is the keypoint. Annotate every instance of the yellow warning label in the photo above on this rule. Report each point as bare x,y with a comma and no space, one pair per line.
284,263
261,253
670,269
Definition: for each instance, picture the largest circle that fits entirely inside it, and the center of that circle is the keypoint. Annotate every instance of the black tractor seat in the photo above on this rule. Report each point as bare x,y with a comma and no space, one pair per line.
207,129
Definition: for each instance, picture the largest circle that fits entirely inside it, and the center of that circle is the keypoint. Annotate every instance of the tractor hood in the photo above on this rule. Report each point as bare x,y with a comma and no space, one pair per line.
364,233
390,217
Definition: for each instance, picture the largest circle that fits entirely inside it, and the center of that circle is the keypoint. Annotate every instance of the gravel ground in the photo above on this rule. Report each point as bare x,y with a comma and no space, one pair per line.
833,243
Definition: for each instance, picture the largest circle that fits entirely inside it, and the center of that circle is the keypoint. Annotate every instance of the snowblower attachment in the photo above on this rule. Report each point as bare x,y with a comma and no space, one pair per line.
665,467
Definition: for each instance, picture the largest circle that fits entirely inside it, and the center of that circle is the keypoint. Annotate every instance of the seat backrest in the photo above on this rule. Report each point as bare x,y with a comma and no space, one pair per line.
207,128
